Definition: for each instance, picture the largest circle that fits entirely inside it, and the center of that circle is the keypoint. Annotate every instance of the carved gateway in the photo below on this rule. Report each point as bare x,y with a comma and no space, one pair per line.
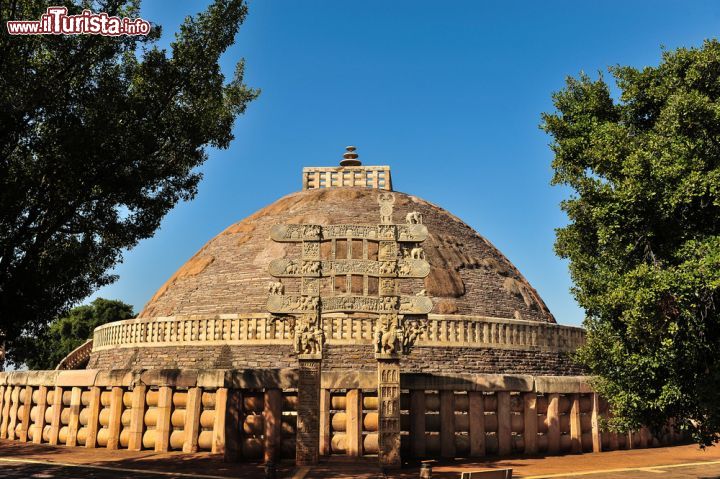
399,256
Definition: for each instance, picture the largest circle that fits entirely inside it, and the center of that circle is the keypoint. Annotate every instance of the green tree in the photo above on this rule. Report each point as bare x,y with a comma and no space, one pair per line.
643,237
68,332
99,138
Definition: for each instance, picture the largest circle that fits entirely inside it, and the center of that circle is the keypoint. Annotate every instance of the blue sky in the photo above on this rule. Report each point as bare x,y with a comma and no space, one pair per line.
449,94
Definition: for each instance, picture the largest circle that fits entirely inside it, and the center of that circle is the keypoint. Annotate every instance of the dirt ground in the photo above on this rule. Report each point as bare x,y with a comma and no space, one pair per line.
41,461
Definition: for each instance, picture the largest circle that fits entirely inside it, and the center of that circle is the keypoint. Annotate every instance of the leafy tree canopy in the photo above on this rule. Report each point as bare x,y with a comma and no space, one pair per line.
68,332
643,237
99,138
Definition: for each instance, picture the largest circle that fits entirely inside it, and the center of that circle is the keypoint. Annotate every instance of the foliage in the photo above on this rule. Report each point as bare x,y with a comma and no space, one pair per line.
99,138
643,238
68,332
644,234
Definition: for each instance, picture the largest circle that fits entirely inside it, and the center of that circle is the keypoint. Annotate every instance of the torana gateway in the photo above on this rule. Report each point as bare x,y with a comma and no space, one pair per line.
344,319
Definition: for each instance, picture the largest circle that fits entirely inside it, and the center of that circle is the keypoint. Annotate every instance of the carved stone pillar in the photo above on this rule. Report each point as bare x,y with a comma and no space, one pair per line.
389,410
307,439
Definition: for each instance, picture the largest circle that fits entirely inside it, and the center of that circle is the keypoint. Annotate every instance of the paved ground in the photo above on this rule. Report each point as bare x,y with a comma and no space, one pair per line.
39,461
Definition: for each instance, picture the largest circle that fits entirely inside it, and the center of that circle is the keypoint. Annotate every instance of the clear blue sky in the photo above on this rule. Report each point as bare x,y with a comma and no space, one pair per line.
449,94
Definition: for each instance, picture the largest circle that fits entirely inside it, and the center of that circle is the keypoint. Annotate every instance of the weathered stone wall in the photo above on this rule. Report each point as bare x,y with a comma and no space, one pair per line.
489,361
195,357
420,360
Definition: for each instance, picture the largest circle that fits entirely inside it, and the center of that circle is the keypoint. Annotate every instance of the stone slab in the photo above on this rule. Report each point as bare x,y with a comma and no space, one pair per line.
115,377
266,378
470,382
349,380
562,384
76,378
41,378
184,378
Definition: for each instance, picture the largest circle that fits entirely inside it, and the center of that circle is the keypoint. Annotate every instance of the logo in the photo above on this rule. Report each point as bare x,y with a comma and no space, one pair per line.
56,21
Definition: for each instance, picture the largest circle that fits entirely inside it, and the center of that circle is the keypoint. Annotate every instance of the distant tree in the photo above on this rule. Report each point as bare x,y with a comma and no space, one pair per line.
68,332
644,234
99,138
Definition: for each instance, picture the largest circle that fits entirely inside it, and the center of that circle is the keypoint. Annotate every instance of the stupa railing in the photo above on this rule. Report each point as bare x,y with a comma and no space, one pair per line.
198,411
258,329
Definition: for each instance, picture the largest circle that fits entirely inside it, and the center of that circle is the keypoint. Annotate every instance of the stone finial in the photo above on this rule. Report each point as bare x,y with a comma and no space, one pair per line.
350,157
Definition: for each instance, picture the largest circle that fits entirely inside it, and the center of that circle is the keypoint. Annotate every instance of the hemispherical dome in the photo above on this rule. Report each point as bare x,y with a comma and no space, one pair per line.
229,275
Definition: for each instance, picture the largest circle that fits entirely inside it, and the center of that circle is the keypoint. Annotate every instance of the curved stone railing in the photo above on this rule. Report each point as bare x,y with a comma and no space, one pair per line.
260,329
78,357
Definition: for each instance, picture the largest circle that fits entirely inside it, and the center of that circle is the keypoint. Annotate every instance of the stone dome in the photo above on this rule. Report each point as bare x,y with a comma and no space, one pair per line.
229,275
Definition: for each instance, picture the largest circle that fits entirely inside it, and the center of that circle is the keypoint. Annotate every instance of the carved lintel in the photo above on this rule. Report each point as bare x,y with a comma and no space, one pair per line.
405,268
367,232
291,304
296,233
415,305
413,268
388,268
294,268
291,233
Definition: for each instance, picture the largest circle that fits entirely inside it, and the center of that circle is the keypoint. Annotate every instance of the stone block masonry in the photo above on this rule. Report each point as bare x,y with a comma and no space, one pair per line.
338,357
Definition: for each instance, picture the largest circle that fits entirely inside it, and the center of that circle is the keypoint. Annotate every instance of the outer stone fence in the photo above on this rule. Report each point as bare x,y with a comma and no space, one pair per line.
340,329
251,414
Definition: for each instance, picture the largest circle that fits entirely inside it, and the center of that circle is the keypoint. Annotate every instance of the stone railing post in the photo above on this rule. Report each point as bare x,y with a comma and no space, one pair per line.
476,411
447,424
25,419
39,423
575,424
325,435
417,422
56,411
192,419
353,427
553,420
137,417
530,422
272,418
73,424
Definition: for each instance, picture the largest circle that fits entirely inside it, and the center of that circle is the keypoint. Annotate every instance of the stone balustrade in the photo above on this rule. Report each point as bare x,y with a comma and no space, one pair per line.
252,414
78,357
261,329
